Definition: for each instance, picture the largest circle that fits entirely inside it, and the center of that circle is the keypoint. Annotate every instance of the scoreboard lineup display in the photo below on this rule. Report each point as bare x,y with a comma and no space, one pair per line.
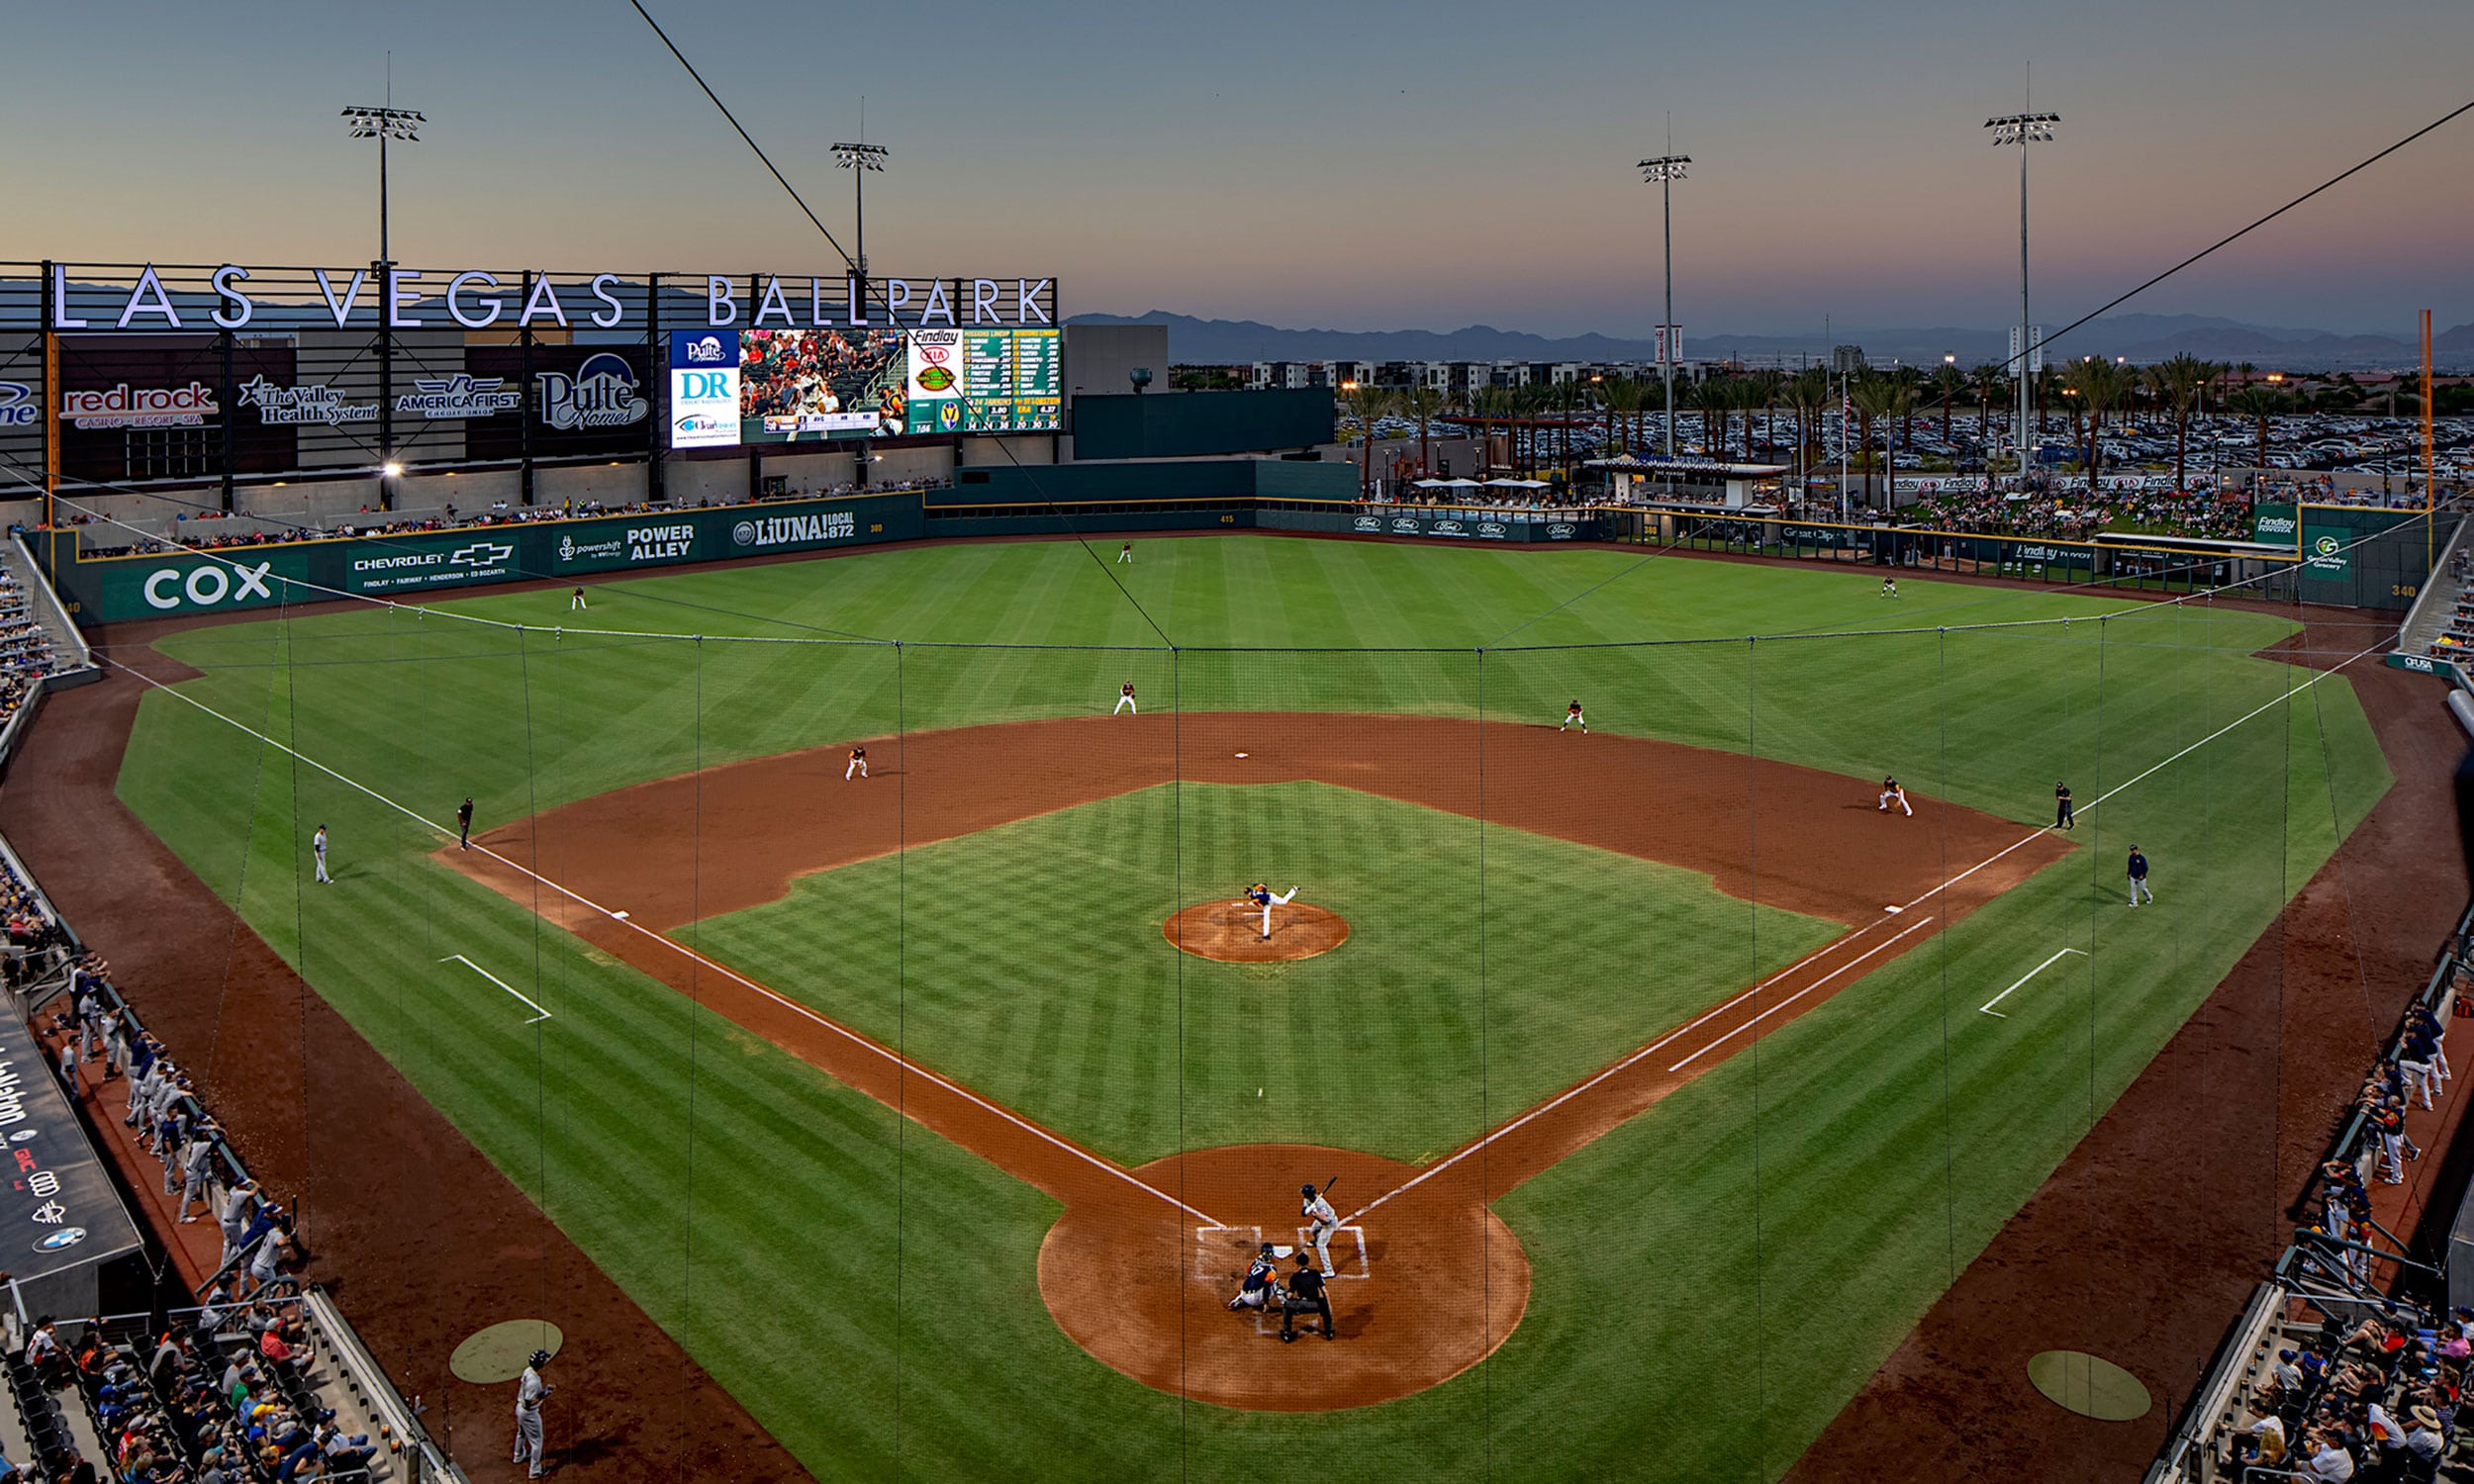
982,380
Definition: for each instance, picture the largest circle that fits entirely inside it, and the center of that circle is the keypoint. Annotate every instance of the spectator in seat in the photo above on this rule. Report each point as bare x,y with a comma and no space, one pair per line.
345,1451
278,1352
44,1352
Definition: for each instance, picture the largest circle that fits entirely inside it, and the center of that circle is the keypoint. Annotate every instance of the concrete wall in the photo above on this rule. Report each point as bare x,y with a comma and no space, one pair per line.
1098,357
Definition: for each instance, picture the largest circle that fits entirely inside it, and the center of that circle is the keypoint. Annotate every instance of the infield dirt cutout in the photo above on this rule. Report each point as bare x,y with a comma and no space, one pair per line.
1139,1267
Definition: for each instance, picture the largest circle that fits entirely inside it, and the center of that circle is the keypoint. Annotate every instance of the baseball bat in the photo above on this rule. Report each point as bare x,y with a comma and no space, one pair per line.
1328,1185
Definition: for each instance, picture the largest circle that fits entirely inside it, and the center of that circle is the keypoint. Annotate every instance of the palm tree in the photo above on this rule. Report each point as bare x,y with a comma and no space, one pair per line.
1949,380
1992,381
2178,384
1491,405
2098,385
1807,394
2258,404
1423,405
1367,404
1910,379
1527,402
1873,398
1621,397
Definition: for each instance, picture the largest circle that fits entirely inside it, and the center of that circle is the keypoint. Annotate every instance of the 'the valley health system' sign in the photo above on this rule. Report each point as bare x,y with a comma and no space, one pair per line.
704,388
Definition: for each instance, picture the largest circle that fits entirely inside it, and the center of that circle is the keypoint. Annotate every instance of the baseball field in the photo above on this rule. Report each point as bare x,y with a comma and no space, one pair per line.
1666,1078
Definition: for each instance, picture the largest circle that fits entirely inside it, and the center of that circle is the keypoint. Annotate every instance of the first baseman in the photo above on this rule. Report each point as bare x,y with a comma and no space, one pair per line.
1573,718
1262,896
1321,1221
318,848
1126,700
1892,794
530,1391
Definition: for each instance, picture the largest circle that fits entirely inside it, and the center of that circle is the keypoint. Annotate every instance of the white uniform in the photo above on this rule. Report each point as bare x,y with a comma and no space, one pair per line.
858,763
1266,901
1892,794
1321,1221
575,600
317,847
1126,702
1125,553
529,1389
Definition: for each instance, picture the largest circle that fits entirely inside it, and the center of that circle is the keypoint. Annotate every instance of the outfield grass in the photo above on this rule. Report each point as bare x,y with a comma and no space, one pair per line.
1711,1282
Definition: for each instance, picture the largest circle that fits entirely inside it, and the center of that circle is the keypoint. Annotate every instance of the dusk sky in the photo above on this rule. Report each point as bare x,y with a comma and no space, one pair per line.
1355,166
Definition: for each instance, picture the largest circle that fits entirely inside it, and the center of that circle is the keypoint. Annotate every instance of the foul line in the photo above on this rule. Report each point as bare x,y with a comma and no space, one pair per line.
1880,947
791,1005
1986,1008
537,1018
1547,1107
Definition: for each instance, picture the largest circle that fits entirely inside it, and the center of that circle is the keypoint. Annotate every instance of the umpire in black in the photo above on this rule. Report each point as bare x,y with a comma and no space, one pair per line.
1305,1296
2064,818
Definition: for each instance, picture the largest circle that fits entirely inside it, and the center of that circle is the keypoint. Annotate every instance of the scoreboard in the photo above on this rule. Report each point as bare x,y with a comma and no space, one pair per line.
986,380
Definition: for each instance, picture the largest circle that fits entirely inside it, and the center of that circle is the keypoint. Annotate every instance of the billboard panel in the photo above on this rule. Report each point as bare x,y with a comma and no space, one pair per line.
986,380
704,388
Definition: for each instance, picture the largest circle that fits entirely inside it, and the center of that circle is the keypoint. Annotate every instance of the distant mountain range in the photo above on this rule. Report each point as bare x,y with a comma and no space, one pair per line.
2141,338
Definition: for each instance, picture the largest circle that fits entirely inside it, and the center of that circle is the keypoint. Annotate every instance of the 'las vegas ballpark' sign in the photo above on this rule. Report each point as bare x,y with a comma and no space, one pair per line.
420,299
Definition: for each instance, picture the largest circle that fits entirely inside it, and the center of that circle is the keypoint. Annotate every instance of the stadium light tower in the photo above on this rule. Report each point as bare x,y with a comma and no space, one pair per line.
1663,172
859,160
2023,129
383,123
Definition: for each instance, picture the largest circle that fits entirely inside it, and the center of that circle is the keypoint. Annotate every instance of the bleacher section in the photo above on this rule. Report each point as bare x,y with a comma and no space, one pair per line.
219,1391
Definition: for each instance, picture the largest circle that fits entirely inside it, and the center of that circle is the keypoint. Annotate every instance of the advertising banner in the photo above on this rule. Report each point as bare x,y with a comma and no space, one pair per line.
2326,556
587,400
704,388
158,587
2273,524
1468,525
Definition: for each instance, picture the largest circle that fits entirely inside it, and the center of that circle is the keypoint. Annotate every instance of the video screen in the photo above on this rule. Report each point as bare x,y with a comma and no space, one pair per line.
810,385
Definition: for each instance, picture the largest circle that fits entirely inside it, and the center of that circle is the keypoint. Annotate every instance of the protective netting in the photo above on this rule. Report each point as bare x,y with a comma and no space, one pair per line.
1664,1062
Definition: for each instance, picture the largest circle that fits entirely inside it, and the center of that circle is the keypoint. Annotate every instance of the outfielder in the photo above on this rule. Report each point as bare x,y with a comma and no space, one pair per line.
1126,700
1261,1288
1889,587
1321,1221
1262,896
858,763
1573,718
318,848
575,602
1892,794
1125,552
529,1390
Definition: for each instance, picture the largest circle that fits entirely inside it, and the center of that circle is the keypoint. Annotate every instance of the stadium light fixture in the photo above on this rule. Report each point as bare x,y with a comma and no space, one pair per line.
2023,129
391,469
1662,172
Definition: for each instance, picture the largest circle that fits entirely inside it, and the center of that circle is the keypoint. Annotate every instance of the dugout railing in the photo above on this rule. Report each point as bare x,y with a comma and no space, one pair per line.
2318,1281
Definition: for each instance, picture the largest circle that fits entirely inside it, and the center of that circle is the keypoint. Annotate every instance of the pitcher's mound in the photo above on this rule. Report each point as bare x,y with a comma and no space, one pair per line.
1232,932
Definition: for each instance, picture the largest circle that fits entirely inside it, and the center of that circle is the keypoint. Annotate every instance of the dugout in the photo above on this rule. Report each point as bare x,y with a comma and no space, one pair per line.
71,1233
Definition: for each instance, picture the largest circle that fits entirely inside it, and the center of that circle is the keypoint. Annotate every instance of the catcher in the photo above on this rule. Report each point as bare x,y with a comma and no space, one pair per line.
1260,1290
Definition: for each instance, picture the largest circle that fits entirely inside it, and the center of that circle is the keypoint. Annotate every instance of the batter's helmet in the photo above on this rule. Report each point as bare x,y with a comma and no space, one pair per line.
1310,1191
540,1359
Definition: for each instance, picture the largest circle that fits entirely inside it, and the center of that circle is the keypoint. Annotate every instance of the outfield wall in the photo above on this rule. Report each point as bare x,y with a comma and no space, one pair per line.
1216,496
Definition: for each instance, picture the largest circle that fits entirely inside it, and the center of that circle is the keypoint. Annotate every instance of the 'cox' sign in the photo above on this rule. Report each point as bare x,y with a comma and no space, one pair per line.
207,585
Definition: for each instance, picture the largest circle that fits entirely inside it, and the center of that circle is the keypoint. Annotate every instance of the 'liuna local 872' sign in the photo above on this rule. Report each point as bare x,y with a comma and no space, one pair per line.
477,299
